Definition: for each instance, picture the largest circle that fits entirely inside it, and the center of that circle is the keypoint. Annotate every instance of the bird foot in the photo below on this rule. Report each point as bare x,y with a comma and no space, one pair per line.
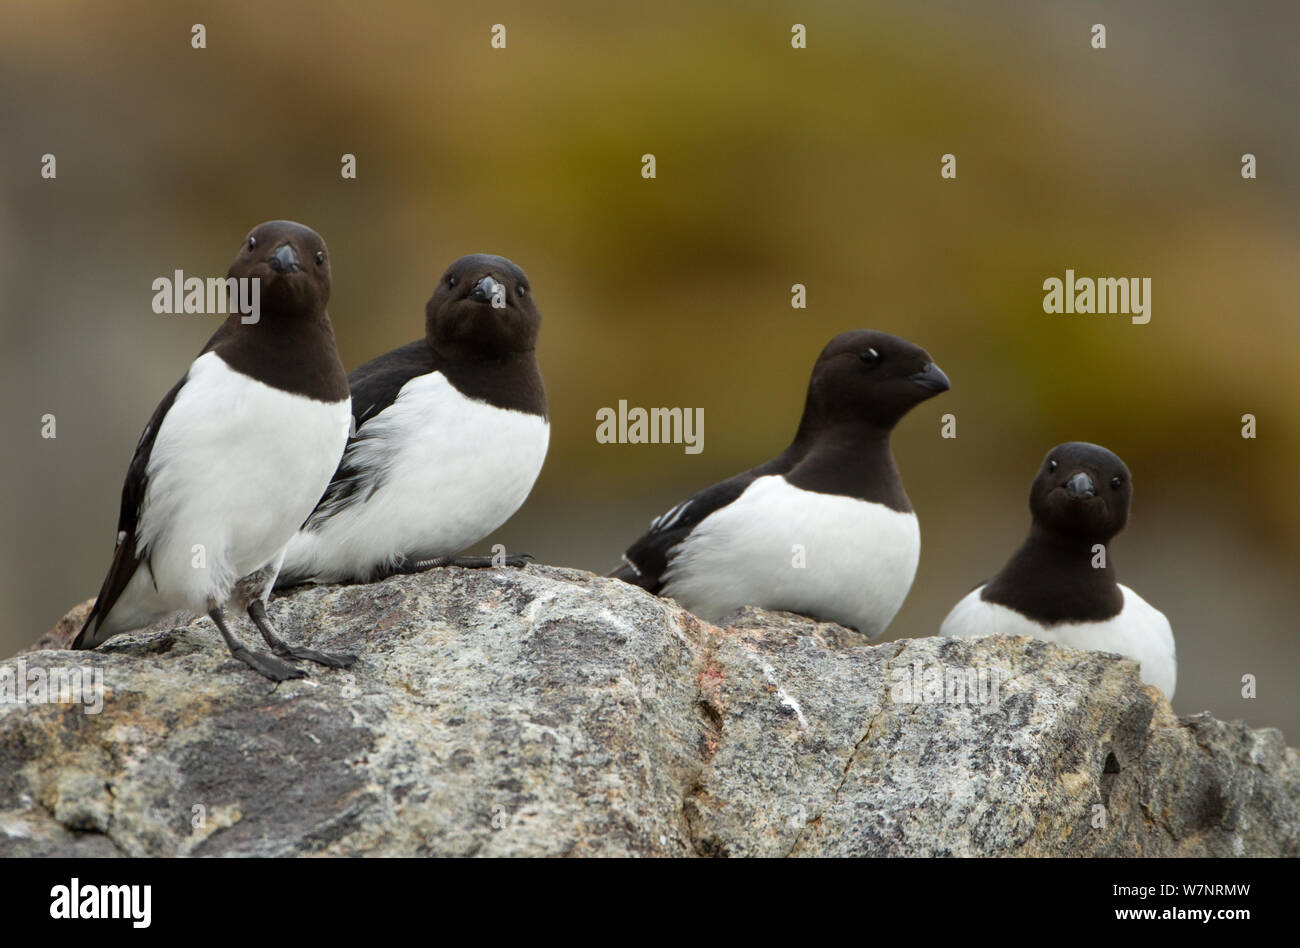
267,665
515,560
329,659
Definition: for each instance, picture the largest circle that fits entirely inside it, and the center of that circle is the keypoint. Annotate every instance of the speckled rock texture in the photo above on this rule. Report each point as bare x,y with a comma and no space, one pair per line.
550,712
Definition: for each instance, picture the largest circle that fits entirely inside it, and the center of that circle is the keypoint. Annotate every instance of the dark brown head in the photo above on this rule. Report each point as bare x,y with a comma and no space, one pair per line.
1082,491
870,376
483,308
292,267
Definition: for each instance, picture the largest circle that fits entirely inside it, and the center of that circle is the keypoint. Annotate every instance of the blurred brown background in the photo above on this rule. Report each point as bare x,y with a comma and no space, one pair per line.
775,166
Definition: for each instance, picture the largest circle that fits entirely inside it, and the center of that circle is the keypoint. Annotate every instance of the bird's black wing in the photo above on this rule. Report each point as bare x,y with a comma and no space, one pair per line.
646,560
126,558
375,387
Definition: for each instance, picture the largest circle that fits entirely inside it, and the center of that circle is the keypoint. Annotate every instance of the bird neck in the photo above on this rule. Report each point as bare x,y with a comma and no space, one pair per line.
504,378
297,354
1058,578
851,458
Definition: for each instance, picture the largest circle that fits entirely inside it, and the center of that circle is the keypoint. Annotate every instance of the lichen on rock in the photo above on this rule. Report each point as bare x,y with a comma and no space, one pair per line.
547,711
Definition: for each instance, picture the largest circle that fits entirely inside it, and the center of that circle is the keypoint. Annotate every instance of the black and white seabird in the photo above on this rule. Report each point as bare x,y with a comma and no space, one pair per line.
234,459
451,432
1060,585
825,529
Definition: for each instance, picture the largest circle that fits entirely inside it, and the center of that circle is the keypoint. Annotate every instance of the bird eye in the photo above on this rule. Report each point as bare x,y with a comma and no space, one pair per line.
451,281
252,242
870,357
320,257
522,290
1116,481
1051,465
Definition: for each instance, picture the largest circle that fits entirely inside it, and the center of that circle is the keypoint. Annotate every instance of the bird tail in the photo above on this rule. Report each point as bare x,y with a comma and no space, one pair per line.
101,624
92,630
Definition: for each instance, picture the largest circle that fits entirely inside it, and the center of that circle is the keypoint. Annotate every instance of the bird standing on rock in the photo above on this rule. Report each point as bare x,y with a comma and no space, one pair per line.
451,433
825,529
234,459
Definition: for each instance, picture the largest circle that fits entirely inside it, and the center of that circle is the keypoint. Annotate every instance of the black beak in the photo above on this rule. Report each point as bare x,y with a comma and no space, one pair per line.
485,289
931,377
284,260
1080,485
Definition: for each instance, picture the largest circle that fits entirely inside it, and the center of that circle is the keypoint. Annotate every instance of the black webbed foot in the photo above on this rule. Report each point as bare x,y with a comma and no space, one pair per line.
518,560
257,612
408,566
266,665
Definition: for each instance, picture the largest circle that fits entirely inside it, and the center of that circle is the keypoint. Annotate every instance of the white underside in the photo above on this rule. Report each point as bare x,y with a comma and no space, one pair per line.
236,467
859,558
1140,632
453,470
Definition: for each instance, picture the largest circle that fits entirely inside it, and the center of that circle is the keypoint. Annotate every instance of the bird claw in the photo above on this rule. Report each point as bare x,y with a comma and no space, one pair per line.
268,665
329,659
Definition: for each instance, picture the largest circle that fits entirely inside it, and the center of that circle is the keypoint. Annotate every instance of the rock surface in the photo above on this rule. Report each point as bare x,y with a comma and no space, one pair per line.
548,711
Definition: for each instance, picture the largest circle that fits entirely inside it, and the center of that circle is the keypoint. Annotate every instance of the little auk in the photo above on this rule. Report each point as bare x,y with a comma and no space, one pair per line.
1060,585
234,459
450,435
825,529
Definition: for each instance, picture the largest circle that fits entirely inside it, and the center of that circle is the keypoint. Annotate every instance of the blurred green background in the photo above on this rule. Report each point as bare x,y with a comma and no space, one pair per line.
775,166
